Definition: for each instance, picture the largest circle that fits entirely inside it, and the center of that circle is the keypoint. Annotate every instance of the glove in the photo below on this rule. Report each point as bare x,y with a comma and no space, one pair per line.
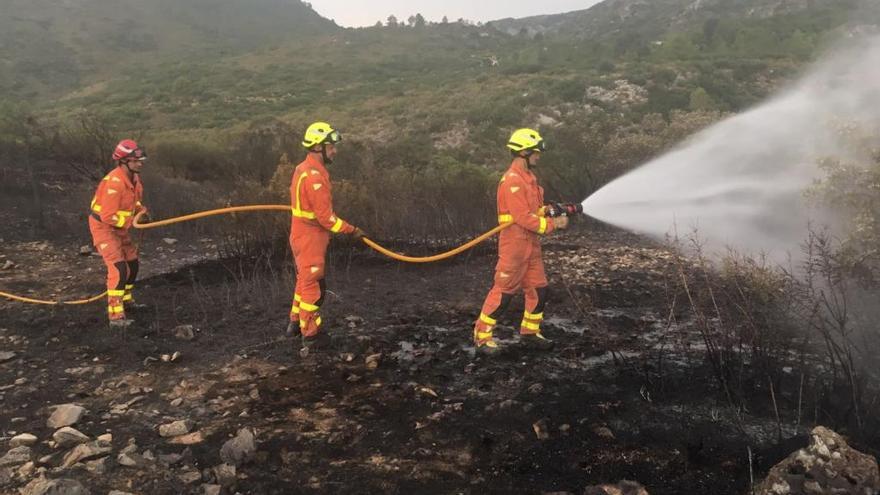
358,234
560,222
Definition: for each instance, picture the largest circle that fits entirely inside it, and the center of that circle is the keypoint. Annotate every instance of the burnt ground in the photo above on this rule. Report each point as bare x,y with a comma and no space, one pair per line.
400,403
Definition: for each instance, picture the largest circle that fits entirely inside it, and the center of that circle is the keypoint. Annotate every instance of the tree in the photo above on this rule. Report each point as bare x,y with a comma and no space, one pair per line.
419,21
391,21
445,20
701,100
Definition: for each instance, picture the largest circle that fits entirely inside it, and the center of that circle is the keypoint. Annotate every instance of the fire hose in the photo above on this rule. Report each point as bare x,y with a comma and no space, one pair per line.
553,210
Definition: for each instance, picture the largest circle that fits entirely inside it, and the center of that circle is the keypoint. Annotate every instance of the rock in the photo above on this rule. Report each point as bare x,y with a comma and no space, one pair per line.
211,489
623,488
6,356
131,460
98,466
68,437
85,452
192,439
225,474
827,466
190,477
106,438
603,432
23,439
27,469
9,265
184,332
177,402
240,449
117,492
176,428
540,428
85,250
372,361
60,486
169,241
65,415
16,457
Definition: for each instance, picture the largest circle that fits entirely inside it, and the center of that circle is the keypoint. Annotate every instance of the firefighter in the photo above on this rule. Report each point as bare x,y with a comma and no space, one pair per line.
312,223
520,267
116,202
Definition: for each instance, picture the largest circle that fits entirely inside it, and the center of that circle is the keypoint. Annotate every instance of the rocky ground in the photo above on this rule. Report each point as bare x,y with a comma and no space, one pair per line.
204,395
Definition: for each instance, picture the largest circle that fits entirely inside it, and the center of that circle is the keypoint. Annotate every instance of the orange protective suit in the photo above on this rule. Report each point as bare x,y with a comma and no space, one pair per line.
117,200
312,222
520,267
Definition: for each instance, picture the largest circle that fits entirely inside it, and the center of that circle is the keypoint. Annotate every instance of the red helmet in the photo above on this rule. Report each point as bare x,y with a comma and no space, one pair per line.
128,148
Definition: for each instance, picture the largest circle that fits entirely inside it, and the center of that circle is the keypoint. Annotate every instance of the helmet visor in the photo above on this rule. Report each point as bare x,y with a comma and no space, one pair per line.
333,138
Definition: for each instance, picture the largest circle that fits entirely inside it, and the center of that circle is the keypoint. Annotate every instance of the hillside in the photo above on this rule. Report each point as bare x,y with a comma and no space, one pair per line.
48,46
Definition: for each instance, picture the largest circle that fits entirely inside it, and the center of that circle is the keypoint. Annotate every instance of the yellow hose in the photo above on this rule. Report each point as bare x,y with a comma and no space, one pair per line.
53,303
232,209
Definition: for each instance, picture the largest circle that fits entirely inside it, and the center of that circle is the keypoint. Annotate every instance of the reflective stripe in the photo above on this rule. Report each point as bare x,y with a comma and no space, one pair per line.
296,210
120,221
318,321
115,310
294,310
531,326
297,297
488,321
127,297
533,316
484,335
337,226
303,214
543,227
308,307
116,292
505,219
129,286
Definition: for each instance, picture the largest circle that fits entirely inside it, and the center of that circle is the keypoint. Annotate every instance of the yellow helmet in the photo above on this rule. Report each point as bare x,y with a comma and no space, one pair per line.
526,139
320,132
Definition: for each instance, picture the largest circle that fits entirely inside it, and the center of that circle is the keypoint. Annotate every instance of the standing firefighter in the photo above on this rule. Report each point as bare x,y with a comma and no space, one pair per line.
116,202
312,222
519,268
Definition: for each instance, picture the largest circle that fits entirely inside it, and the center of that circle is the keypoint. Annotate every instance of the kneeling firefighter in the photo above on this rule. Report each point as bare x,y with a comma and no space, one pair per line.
117,200
520,267
312,222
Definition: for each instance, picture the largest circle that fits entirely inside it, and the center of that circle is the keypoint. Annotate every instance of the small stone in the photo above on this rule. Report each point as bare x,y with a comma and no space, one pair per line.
131,460
65,415
85,250
176,428
225,474
16,457
68,437
65,486
27,469
169,241
106,438
191,439
97,466
540,428
9,265
21,381
603,432
177,402
211,489
6,356
536,388
254,394
372,361
190,477
85,452
23,439
117,492
240,449
184,332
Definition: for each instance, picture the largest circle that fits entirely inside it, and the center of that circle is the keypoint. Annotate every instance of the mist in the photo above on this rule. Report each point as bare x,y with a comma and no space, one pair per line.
741,183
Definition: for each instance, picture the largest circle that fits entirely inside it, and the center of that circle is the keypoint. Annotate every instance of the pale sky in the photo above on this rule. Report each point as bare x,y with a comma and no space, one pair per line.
354,13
